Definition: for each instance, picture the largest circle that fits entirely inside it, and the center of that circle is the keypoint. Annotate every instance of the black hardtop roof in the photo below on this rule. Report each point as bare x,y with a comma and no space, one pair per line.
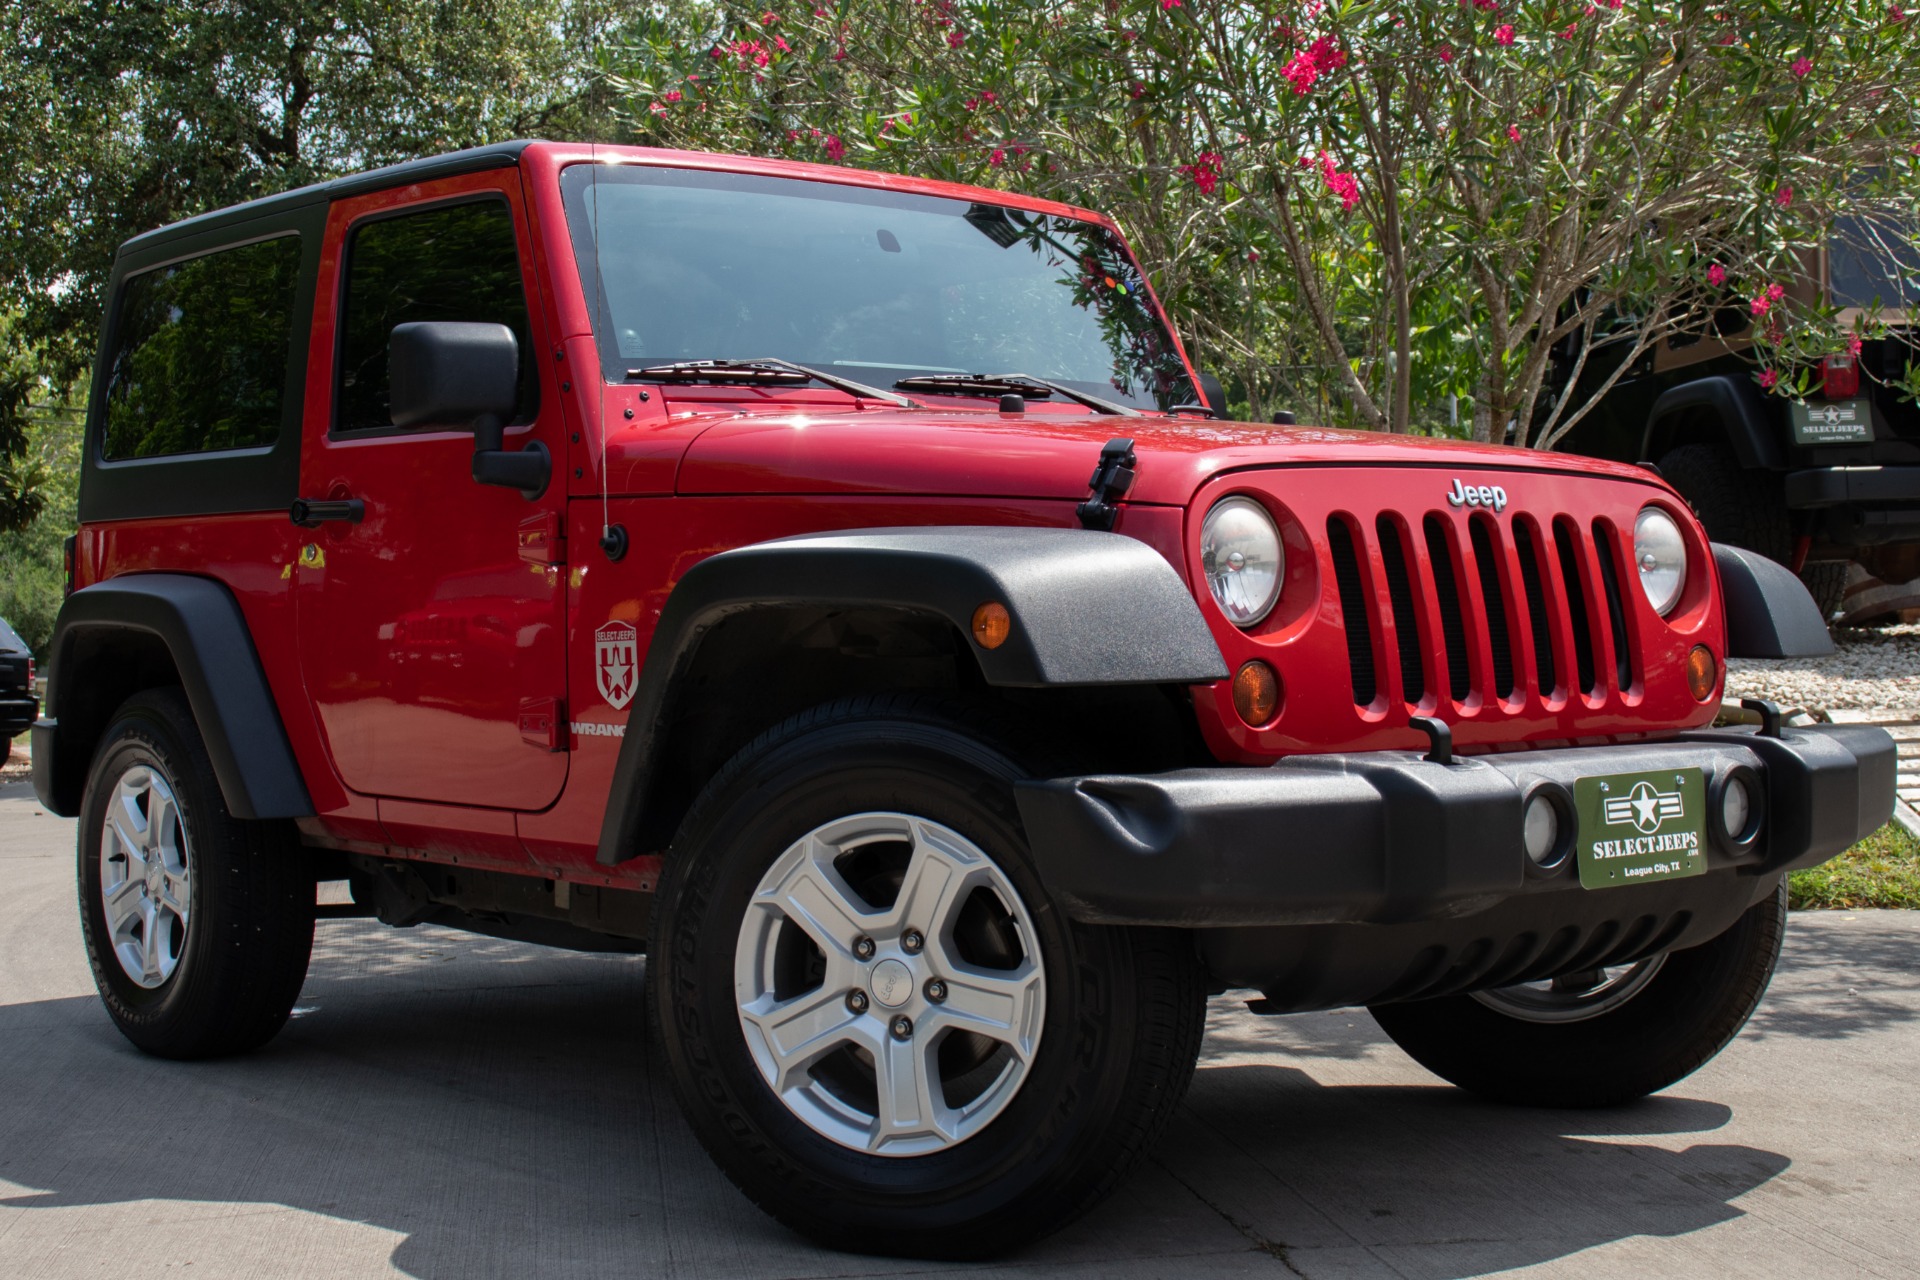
499,155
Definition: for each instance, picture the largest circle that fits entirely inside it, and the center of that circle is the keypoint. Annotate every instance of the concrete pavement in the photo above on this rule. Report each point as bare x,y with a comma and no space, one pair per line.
451,1106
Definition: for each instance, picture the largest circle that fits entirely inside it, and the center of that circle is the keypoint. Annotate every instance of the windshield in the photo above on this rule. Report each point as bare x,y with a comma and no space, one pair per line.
1873,259
875,285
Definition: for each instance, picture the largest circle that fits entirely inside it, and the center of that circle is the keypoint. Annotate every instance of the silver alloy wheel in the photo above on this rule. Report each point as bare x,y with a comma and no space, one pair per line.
146,876
892,1021
1573,997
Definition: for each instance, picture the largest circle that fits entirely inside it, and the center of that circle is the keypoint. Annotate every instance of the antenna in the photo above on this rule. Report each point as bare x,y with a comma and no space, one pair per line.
613,537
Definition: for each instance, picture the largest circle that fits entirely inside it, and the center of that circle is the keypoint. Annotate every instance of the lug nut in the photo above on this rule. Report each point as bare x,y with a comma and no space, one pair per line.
936,990
903,1028
863,947
857,1001
911,941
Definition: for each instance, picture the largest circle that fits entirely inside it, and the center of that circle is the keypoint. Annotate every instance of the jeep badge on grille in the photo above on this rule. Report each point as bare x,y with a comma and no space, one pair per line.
1485,495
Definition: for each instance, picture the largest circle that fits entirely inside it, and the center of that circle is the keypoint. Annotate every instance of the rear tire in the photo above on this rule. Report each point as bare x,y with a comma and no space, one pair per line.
1662,1032
807,1130
1748,509
198,926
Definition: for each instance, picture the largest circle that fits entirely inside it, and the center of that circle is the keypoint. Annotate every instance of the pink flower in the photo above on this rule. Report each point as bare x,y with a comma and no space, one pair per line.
1490,6
781,45
768,18
998,158
1137,90
1800,68
1301,73
793,135
1325,56
1513,133
1896,14
955,39
1783,197
836,149
840,53
672,95
1853,344
1253,255
1716,275
1343,185
1446,53
1205,171
1760,306
1767,378
1169,4
1775,292
1503,34
1569,31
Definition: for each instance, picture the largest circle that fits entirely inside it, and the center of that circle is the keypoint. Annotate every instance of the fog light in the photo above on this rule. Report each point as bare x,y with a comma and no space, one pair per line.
1736,808
1542,832
1256,692
1703,673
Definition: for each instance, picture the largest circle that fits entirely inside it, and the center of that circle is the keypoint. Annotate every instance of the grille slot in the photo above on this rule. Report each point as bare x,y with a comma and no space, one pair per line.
1353,610
1406,622
1526,538
1607,551
1566,536
1447,594
1487,560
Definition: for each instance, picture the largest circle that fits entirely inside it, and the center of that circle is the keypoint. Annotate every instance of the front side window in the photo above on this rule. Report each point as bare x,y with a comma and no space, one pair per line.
200,351
879,285
453,262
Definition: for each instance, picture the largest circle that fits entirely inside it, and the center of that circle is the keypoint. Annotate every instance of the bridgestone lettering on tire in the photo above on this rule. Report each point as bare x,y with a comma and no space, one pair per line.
198,926
784,977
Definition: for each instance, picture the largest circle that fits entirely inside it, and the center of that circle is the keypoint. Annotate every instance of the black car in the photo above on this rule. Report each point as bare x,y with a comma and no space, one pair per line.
18,705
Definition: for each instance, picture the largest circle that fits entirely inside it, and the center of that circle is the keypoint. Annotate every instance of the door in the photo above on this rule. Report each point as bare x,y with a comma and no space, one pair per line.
430,629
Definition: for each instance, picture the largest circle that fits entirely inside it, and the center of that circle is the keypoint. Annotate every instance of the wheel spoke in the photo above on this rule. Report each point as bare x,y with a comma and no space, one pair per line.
123,903
151,952
128,826
176,896
1574,983
813,897
1001,1006
801,1031
937,882
162,817
909,1105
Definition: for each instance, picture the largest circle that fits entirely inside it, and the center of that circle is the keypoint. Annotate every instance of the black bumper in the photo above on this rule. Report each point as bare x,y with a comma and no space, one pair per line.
17,712
1382,837
1362,878
1859,505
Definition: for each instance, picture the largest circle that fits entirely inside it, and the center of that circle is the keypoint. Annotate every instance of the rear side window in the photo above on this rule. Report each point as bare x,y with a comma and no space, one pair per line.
199,358
455,262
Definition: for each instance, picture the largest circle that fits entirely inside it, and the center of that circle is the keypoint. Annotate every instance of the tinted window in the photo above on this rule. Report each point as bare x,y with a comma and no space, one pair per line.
1873,259
456,262
199,359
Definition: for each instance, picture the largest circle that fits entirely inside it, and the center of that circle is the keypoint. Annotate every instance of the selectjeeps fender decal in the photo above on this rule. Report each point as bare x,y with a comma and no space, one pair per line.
616,662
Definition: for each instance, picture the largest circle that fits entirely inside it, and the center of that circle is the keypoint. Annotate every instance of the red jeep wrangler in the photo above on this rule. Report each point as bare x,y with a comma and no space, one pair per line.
836,586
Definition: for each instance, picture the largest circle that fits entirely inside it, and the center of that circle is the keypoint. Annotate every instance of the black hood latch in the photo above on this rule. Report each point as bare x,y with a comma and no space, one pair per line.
1112,477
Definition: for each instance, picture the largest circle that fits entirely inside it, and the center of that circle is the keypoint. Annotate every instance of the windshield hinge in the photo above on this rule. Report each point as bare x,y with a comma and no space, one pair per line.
1112,477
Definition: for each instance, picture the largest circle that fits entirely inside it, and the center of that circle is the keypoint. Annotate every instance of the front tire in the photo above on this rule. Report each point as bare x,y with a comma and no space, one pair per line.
1611,1039
198,926
878,1024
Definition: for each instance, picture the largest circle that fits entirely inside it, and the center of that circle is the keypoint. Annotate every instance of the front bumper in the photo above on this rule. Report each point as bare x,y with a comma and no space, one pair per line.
1334,879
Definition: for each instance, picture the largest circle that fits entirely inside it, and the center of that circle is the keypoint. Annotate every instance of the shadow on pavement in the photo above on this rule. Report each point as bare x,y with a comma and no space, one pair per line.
500,1109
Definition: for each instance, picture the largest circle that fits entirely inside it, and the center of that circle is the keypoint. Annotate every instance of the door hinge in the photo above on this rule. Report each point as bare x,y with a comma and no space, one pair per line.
541,540
543,723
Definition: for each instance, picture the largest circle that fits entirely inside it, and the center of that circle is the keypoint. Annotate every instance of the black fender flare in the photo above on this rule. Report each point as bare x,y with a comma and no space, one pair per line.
1088,608
1731,400
1770,612
205,633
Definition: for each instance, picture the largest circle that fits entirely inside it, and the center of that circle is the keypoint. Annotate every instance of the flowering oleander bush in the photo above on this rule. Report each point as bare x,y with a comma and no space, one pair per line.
1496,199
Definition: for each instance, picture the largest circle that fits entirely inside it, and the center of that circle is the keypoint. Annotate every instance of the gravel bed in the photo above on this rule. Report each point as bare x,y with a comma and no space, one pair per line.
1870,669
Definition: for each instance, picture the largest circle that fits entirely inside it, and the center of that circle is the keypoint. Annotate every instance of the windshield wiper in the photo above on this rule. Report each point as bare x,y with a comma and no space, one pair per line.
1023,384
762,372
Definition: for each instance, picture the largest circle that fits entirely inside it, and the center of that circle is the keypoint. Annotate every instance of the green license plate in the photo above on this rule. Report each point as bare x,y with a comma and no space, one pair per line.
1637,827
1838,422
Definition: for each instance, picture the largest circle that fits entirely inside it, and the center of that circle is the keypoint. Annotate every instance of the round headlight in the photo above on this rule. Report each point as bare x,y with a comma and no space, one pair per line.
1660,554
1241,557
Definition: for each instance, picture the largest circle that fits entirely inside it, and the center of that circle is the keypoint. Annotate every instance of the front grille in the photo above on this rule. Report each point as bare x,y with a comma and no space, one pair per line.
1481,607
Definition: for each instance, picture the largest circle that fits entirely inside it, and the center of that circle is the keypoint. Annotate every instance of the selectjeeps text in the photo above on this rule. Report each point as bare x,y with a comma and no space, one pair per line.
837,587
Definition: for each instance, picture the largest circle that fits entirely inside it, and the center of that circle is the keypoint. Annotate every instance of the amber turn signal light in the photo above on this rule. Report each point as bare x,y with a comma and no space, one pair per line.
1256,692
1703,673
992,624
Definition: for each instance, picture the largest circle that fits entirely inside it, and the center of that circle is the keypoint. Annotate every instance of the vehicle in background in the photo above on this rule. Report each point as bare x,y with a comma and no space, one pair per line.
1813,484
19,704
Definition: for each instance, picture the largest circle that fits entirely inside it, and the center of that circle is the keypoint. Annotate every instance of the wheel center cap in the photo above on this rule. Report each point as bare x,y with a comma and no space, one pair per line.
892,983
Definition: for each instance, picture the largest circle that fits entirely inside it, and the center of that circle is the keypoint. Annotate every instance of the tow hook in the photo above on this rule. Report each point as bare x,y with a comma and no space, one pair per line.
1112,477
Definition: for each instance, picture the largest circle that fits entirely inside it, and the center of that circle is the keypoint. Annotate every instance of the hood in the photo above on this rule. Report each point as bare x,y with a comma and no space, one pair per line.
1042,453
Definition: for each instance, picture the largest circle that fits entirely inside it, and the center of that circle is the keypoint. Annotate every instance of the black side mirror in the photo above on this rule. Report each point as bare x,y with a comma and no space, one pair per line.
465,375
